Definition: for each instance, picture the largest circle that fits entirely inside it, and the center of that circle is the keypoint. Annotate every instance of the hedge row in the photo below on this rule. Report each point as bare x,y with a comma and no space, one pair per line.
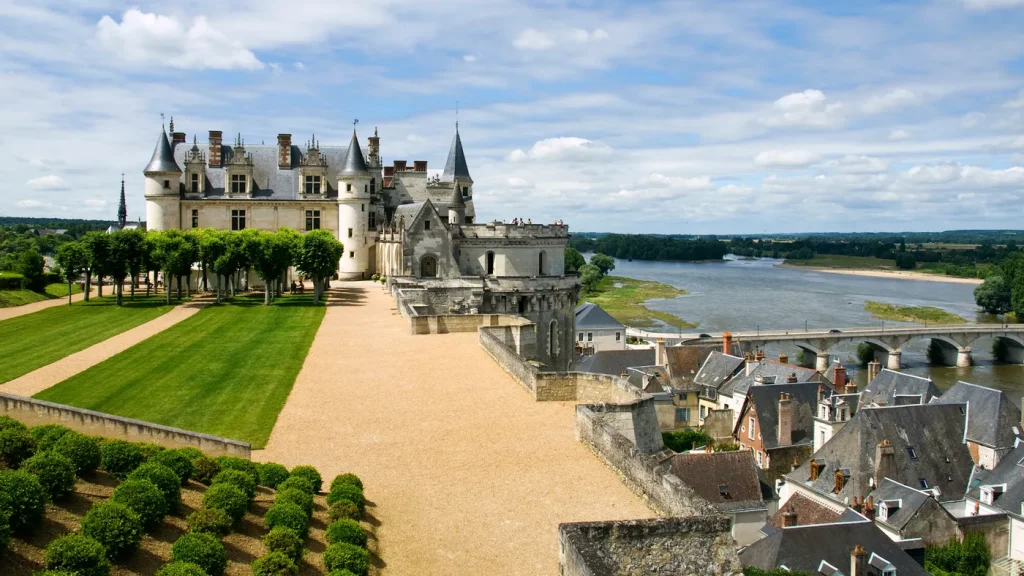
345,536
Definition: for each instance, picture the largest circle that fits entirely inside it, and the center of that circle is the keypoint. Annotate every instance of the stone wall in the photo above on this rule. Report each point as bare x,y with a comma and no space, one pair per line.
781,460
995,528
36,412
719,425
662,546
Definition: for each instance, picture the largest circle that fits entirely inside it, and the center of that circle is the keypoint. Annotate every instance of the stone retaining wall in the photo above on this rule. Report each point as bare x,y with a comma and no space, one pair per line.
34,412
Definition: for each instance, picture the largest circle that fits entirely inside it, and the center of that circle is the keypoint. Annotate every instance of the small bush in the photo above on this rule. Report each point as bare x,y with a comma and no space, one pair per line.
274,564
149,450
15,447
343,556
78,554
177,461
24,497
164,478
286,541
243,481
347,479
297,482
297,497
204,469
5,526
120,458
82,450
309,473
203,550
347,492
145,498
272,474
343,509
47,435
210,521
181,569
8,423
191,453
287,515
117,527
55,573
236,463
55,472
342,573
346,531
227,497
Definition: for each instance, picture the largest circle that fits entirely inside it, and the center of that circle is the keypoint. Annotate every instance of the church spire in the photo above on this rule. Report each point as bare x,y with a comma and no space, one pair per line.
122,208
455,168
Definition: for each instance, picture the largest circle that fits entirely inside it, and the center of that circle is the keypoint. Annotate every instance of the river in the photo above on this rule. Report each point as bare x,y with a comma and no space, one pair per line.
741,295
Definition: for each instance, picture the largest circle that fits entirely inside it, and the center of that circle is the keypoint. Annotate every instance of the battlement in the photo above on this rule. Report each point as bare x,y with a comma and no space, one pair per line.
525,231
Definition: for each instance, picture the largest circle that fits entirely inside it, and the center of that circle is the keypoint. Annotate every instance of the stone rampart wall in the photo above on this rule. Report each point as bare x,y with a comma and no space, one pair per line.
995,528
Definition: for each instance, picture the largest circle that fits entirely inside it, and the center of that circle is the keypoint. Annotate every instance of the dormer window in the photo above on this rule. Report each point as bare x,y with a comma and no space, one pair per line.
238,182
167,184
911,452
194,185
426,224
990,493
312,184
888,508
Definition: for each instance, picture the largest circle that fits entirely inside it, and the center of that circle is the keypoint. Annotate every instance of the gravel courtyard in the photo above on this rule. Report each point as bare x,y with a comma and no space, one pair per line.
465,472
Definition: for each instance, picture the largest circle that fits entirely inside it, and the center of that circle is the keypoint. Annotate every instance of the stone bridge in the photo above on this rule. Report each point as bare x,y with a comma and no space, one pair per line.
954,341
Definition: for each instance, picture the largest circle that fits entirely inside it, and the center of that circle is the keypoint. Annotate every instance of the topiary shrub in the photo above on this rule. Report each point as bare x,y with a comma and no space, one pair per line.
286,541
343,509
227,497
243,481
297,497
342,573
181,569
203,550
347,479
287,515
5,526
120,458
149,450
309,473
177,461
24,497
204,469
191,453
8,423
272,474
236,463
16,446
210,521
77,554
297,482
346,531
117,527
145,498
274,564
55,472
164,478
348,492
344,556
82,450
47,435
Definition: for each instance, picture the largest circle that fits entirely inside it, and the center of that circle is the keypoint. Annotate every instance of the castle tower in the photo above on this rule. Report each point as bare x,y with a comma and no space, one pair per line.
353,212
163,178
456,209
456,171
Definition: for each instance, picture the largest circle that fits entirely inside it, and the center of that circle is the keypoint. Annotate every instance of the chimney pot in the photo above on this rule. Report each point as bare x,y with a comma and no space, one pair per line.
760,355
179,138
727,343
873,369
660,354
840,378
858,561
783,358
785,430
791,379
419,165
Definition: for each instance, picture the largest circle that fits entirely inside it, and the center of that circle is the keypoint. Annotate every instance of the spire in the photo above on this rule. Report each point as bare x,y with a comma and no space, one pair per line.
355,163
122,208
163,156
455,167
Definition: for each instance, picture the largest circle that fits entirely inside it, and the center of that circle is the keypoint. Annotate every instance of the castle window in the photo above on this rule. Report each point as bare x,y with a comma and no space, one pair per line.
349,232
373,220
238,219
362,207
167,184
540,264
465,191
366,188
426,224
683,415
750,428
195,183
238,184
312,220
373,185
351,254
195,218
348,187
553,339
490,265
312,184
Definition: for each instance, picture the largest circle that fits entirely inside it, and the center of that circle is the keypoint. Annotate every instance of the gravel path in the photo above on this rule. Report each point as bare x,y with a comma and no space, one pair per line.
59,371
466,473
15,311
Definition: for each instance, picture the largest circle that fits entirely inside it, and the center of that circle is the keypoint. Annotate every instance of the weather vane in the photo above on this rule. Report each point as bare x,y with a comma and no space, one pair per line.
354,122
456,114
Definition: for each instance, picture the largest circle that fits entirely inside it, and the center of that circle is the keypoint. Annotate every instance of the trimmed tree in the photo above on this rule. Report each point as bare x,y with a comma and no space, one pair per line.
270,254
73,258
319,257
211,250
98,245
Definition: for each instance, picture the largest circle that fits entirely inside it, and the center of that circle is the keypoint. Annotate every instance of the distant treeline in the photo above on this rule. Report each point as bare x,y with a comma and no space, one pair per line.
649,247
945,237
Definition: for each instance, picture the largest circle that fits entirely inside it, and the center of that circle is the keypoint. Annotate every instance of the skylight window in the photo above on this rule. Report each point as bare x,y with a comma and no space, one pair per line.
911,452
924,483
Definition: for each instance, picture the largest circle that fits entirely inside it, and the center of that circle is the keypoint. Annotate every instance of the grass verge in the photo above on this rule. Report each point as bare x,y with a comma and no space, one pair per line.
920,314
34,340
225,371
18,297
624,299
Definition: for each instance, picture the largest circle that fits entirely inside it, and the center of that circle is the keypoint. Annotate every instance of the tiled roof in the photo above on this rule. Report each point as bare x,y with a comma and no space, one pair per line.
614,362
590,316
726,479
807,512
891,388
163,156
1009,472
991,415
805,405
741,383
717,368
455,166
910,499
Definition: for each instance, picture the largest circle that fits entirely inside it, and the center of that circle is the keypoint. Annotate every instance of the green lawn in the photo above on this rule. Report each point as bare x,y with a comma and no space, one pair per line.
225,371
623,298
920,314
18,297
34,340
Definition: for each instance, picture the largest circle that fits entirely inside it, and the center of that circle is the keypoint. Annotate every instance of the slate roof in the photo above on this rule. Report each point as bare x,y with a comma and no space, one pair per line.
891,388
807,512
590,316
614,362
766,404
743,382
911,500
726,479
717,368
934,431
991,415
802,548
163,156
1009,471
355,164
455,166
409,211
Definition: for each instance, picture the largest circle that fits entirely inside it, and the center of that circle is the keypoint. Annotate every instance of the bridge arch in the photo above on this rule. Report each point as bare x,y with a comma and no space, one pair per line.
1013,350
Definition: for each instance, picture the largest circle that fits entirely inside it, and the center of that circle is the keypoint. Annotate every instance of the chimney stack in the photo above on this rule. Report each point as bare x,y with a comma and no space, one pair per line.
821,393
373,150
789,519
783,359
419,165
284,151
660,354
178,138
885,461
750,363
791,379
215,149
869,508
727,343
760,355
840,378
873,369
785,419
857,506
858,561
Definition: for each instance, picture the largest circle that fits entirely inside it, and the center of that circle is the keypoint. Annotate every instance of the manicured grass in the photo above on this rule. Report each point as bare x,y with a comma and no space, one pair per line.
624,299
225,371
851,262
18,297
60,290
40,338
921,314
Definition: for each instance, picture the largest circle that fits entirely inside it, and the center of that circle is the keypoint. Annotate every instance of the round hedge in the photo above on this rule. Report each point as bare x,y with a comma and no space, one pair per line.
47,435
297,482
204,469
343,556
145,498
15,447
5,526
181,569
165,479
203,550
342,572
117,527
287,515
55,573
78,554
346,531
191,453
297,497
347,492
309,473
343,509
177,461
210,521
82,450
274,564
243,481
272,474
347,479
55,472
236,463
120,458
8,423
286,541
24,497
149,450
227,497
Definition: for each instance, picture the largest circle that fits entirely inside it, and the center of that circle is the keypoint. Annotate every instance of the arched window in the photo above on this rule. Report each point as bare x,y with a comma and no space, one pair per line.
490,263
541,264
553,339
428,267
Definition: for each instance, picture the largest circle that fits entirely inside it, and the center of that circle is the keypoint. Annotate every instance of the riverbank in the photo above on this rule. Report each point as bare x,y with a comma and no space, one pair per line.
624,299
899,274
918,314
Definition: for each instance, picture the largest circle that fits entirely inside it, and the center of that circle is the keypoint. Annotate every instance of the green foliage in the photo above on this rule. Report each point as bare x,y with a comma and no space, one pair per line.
210,521
192,454
274,564
344,556
348,492
994,295
47,435
145,498
751,571
287,515
83,451
341,572
727,447
343,509
906,261
650,247
301,499
227,497
15,447
203,550
204,470
309,473
347,478
181,569
285,541
1017,295
573,259
78,554
684,440
120,458
236,463
590,277
5,526
865,353
297,482
603,262
318,258
30,265
272,474
164,478
178,461
346,531
8,423
56,473
968,558
800,254
25,498
150,450
237,478
117,527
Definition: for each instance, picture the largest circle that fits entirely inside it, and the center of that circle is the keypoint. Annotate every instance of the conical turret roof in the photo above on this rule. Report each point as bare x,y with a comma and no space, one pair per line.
456,200
456,166
163,156
355,163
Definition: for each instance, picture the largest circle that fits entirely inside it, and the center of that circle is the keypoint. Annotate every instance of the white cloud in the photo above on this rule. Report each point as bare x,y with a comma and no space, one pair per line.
95,203
897,135
807,108
661,181
300,66
581,36
47,183
469,58
785,158
517,182
533,39
972,119
857,165
992,4
565,148
146,38
31,204
888,101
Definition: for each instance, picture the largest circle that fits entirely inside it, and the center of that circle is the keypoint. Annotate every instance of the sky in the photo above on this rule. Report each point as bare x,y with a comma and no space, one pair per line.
685,117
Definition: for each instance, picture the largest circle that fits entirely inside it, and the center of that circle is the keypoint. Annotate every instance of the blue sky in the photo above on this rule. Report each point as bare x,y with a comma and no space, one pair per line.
671,117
